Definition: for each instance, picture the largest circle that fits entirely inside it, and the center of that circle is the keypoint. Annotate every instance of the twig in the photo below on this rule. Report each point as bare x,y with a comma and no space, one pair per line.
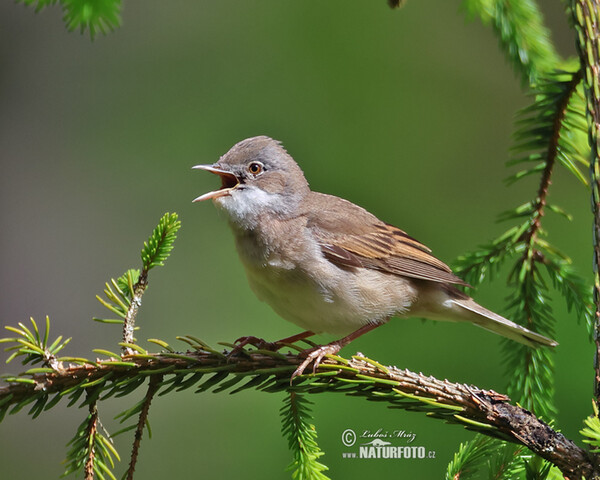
136,302
585,19
139,431
91,433
551,155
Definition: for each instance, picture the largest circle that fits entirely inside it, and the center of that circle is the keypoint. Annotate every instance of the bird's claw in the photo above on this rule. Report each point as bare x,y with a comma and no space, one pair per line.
260,343
256,342
315,355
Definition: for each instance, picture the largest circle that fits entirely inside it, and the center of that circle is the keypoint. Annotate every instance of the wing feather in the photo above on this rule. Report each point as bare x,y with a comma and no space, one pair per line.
350,236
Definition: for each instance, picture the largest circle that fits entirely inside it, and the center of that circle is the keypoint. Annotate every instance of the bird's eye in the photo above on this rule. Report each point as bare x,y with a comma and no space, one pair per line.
255,168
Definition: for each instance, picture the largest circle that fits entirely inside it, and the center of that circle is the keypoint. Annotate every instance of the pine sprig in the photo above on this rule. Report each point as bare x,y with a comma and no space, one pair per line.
91,452
485,263
591,431
86,15
33,346
92,15
531,370
118,294
552,129
523,36
302,439
470,457
536,469
158,247
573,288
508,461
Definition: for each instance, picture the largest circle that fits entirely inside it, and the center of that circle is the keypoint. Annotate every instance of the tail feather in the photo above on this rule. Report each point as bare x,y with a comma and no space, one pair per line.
493,322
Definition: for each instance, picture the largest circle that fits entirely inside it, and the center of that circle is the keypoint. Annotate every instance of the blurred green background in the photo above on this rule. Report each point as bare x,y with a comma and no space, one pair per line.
407,113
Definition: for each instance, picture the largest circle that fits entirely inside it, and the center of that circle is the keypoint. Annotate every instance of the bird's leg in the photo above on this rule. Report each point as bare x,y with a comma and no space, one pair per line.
294,338
263,344
317,354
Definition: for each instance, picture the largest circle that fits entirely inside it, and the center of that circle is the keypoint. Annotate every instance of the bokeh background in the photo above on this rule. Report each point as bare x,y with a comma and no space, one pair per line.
407,113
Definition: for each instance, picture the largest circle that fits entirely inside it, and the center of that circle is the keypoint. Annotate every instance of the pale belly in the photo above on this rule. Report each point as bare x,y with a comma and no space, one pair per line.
339,302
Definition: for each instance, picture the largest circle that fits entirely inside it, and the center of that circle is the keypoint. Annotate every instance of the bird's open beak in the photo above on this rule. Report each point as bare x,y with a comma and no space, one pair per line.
228,182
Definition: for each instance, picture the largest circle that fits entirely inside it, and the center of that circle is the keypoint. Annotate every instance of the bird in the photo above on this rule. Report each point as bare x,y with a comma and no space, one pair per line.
328,265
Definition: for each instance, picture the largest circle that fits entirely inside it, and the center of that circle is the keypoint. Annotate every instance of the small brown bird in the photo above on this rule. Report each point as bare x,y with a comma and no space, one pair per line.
328,265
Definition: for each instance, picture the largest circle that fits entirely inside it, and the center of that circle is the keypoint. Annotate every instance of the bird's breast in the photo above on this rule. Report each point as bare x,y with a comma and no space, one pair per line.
308,290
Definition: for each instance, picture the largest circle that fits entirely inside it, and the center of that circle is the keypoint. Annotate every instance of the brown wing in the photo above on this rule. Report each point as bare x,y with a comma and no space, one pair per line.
350,236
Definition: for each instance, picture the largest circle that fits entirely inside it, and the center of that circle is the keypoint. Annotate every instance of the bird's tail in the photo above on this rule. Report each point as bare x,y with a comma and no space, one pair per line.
493,322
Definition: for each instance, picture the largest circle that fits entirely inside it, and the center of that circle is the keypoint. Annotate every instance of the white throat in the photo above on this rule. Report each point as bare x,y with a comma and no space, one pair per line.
246,206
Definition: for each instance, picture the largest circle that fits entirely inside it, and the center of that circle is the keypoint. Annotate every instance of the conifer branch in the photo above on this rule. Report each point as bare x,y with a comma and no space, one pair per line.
471,456
302,439
540,202
549,130
484,411
585,15
540,138
90,452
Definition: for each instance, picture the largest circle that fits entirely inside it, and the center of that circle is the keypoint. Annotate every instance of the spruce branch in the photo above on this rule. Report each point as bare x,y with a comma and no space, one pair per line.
549,132
476,409
91,452
539,137
302,439
34,348
544,139
585,16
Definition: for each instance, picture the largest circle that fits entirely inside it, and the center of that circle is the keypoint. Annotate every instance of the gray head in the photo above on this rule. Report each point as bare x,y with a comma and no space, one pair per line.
257,176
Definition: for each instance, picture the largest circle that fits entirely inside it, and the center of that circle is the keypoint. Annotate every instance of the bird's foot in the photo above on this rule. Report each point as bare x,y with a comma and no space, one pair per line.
316,355
260,343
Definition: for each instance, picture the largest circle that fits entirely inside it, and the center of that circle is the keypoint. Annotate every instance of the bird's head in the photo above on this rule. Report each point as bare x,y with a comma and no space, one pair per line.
258,177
